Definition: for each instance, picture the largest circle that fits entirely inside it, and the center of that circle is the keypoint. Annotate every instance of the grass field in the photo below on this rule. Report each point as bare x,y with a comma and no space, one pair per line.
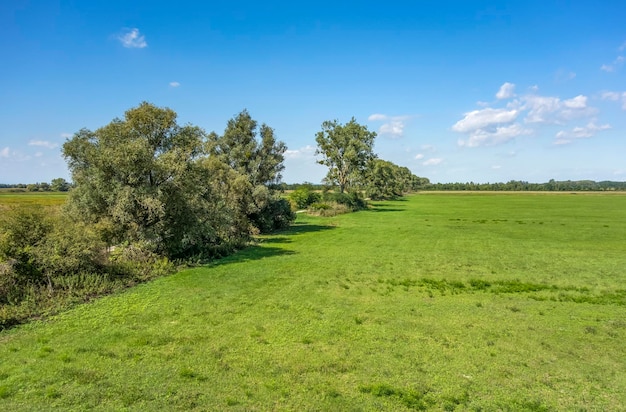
440,302
9,198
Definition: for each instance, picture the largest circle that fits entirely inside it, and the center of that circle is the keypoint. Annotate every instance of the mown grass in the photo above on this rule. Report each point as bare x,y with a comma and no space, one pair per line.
436,302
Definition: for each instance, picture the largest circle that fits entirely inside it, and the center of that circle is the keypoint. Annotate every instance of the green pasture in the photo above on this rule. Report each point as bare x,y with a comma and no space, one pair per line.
439,301
11,198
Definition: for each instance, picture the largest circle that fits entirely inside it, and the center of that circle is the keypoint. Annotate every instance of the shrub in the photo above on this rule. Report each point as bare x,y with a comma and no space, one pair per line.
303,197
277,214
70,248
328,209
48,263
136,260
353,200
22,231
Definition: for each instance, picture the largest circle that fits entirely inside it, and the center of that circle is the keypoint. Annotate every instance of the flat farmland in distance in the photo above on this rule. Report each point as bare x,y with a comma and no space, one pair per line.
439,301
9,198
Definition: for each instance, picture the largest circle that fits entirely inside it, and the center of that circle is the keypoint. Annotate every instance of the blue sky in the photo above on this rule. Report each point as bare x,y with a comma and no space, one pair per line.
482,91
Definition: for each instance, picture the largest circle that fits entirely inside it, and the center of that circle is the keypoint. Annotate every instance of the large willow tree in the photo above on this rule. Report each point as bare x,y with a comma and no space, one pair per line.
147,179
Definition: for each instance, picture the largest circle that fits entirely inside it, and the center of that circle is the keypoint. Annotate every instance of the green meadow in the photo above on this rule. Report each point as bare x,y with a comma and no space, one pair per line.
10,198
438,301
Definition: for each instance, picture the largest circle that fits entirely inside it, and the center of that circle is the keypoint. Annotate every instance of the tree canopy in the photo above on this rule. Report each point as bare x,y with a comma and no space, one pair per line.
147,179
347,151
386,180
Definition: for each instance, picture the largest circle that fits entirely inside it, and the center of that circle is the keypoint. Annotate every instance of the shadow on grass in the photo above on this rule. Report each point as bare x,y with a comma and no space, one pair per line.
297,229
385,207
252,253
262,251
277,239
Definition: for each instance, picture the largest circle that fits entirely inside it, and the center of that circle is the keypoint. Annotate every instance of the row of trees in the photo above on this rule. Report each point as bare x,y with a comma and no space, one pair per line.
519,185
56,185
348,152
176,189
153,189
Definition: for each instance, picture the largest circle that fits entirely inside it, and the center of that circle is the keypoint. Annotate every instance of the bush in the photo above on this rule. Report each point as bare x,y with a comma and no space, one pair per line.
302,197
70,248
328,209
48,263
139,262
353,200
277,214
22,231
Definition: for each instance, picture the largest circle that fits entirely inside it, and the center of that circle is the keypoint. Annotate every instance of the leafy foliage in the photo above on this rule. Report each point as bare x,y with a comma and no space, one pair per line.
180,193
387,180
347,150
259,163
304,196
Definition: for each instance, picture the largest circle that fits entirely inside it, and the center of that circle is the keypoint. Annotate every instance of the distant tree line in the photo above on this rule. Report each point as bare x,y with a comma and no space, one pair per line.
56,185
518,185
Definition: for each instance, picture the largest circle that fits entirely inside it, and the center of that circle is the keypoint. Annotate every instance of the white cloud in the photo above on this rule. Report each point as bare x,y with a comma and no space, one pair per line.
501,134
492,126
507,90
43,143
579,132
615,65
479,119
13,155
433,161
607,68
377,117
563,75
132,39
66,135
540,107
174,84
419,156
548,109
306,151
615,96
578,102
496,167
394,127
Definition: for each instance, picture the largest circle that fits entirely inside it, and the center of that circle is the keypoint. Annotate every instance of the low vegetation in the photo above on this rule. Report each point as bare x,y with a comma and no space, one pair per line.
48,263
432,302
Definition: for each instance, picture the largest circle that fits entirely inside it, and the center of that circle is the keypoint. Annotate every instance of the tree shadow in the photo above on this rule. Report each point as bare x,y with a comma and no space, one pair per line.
260,251
385,207
275,239
297,229
253,252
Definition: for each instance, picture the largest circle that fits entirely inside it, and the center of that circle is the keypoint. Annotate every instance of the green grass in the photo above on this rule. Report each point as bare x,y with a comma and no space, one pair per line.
10,198
437,302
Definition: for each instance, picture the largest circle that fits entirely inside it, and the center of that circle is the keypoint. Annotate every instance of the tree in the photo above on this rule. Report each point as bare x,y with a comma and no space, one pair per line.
347,151
386,180
146,179
260,162
59,185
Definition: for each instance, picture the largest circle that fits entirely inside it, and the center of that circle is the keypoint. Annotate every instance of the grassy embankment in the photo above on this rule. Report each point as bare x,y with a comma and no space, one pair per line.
440,301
